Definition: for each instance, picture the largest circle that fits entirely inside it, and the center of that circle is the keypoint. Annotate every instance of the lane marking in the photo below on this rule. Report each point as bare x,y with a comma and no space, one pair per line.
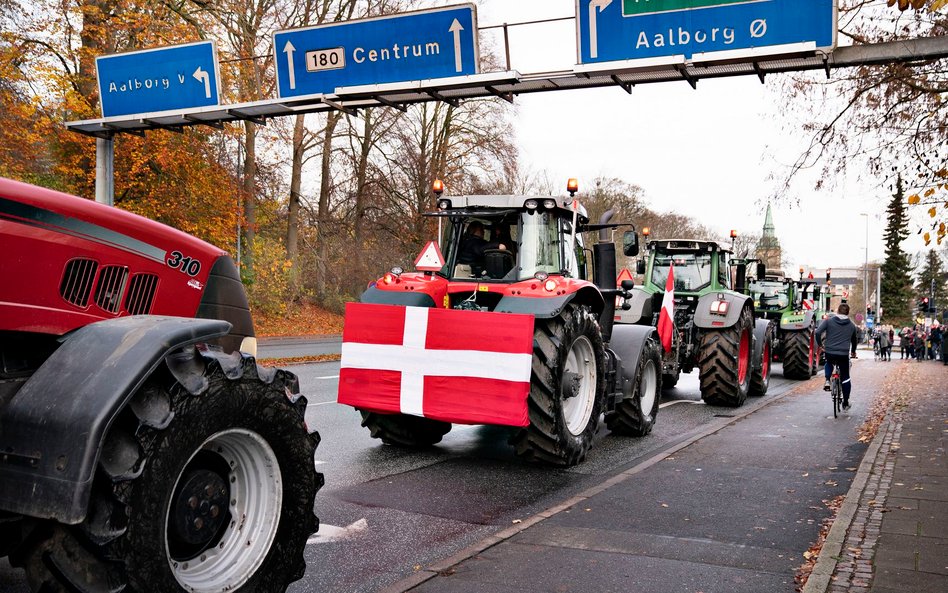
331,533
327,377
310,405
682,401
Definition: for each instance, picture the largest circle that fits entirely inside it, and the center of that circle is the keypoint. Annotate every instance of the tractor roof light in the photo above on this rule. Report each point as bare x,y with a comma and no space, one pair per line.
531,204
444,204
549,204
733,233
572,186
437,186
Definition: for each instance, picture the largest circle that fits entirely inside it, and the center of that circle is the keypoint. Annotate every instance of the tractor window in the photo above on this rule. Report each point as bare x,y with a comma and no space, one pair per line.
576,259
692,271
724,269
540,249
770,295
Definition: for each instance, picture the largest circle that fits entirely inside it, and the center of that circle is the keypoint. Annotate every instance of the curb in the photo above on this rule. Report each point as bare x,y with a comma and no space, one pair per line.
436,568
822,575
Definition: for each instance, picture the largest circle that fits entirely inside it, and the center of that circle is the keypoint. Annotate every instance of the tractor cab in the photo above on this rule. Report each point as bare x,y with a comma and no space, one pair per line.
509,239
698,265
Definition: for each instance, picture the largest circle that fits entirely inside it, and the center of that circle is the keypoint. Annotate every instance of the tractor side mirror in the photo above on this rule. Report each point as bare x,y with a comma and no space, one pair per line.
640,267
761,270
628,285
630,243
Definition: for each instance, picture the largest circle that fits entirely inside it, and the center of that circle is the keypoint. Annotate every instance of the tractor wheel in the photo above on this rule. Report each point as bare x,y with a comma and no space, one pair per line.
205,483
760,378
636,416
724,361
799,355
566,389
404,431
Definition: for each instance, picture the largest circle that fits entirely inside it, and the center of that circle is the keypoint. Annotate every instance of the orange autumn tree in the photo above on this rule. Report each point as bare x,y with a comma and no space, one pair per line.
47,68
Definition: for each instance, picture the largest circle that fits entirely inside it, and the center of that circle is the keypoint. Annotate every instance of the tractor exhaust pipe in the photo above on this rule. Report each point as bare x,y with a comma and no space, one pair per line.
605,275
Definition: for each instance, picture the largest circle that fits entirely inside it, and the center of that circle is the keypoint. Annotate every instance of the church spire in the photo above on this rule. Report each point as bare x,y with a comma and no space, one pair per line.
769,229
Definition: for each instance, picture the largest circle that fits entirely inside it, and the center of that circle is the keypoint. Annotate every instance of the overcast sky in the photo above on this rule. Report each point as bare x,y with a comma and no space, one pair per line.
707,153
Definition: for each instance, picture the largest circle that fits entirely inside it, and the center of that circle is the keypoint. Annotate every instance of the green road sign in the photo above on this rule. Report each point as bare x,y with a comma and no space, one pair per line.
637,7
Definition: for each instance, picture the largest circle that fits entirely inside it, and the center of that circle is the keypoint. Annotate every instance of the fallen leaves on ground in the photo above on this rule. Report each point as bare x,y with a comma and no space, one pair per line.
299,320
282,362
893,394
813,553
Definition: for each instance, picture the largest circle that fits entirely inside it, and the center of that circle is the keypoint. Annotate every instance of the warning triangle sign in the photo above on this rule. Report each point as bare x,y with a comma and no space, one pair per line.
625,274
430,258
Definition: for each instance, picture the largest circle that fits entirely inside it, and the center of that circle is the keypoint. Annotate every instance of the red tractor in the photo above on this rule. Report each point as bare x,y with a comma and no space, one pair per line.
513,326
140,448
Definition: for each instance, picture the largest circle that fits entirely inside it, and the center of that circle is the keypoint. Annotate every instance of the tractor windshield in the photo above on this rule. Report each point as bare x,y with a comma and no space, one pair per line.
692,270
508,246
770,295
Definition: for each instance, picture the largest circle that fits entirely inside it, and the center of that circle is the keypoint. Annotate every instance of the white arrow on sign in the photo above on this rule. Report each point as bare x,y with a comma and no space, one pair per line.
593,29
456,28
202,76
288,49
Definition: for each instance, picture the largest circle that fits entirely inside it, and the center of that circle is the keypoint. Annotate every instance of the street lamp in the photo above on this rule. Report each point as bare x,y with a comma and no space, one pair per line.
865,270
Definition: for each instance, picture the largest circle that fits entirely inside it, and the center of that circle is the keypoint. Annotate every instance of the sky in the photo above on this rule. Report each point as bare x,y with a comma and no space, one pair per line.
710,153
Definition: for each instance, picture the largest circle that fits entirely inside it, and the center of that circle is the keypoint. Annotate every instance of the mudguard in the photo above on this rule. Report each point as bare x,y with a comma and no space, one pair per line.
641,311
627,342
52,430
549,307
760,331
705,320
796,322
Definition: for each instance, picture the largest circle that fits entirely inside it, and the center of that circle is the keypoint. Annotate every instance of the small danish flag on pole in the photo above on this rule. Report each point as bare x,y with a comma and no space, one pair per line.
666,318
465,367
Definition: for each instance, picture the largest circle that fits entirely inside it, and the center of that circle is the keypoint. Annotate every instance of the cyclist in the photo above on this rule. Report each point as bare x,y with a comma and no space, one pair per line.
839,345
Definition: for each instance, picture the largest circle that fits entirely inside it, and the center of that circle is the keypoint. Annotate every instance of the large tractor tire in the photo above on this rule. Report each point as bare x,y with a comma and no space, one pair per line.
760,378
205,483
724,362
401,430
799,354
636,416
567,384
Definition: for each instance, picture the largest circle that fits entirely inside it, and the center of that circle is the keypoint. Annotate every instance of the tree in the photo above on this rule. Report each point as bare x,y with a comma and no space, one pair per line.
931,281
889,119
896,278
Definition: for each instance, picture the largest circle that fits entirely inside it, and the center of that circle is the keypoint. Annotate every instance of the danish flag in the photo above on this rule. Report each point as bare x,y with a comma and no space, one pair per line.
666,318
464,367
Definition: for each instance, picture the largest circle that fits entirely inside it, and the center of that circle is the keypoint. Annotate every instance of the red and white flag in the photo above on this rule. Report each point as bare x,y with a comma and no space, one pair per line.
666,318
464,367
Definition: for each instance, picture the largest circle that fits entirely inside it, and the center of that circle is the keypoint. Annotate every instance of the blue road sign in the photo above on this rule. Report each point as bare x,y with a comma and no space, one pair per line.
618,30
437,43
159,79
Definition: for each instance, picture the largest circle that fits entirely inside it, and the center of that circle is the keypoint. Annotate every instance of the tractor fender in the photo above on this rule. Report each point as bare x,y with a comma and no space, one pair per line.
627,343
796,322
760,333
641,308
707,320
549,307
51,432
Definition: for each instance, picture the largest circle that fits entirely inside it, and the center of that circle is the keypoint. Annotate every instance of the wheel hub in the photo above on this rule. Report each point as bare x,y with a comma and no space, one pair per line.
200,508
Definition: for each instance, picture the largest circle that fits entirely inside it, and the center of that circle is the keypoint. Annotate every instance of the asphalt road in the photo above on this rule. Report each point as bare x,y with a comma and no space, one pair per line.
387,512
298,346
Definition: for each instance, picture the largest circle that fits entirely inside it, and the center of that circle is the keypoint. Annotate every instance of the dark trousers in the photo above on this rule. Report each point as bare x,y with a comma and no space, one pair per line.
843,363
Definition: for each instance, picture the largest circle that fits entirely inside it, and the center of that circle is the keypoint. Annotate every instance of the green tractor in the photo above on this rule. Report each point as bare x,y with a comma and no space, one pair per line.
714,326
794,308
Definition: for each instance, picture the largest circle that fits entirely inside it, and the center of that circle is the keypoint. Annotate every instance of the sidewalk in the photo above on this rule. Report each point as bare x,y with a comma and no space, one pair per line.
892,532
735,508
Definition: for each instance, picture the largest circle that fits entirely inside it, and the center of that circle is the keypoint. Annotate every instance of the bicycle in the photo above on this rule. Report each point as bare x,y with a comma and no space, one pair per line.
836,391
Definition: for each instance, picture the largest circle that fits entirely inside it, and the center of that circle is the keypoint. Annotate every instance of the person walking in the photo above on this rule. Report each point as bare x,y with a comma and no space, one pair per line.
883,344
919,343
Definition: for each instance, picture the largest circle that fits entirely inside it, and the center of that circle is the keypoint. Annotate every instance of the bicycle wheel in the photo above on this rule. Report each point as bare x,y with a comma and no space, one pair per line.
837,396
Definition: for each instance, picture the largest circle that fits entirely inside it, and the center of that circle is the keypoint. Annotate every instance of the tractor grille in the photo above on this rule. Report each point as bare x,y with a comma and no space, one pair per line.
77,281
141,294
108,293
